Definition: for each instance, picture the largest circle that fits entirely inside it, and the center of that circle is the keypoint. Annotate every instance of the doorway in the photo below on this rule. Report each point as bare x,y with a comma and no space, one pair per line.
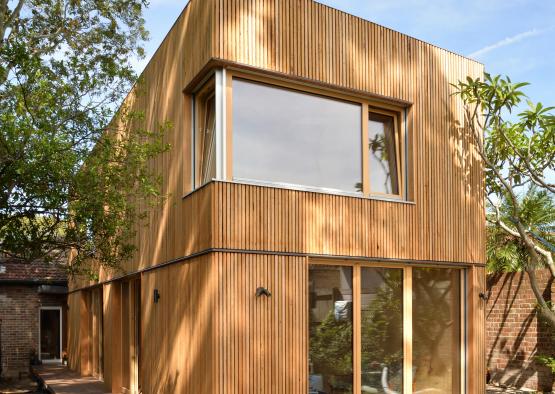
391,329
50,334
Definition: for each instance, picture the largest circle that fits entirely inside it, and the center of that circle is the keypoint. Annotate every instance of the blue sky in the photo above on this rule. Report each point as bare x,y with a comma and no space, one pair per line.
512,37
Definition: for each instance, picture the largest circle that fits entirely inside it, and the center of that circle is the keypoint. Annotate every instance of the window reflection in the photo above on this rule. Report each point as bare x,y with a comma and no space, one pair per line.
208,157
382,156
285,136
436,330
382,330
331,330
205,135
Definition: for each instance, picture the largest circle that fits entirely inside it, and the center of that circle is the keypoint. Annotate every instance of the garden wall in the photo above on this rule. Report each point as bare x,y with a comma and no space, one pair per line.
513,333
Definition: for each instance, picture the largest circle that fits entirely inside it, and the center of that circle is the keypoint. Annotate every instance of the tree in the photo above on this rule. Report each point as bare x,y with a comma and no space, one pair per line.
516,155
505,252
70,178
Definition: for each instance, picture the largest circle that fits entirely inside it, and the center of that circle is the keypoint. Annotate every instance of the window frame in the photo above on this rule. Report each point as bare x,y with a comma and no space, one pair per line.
406,268
60,310
399,132
201,97
398,112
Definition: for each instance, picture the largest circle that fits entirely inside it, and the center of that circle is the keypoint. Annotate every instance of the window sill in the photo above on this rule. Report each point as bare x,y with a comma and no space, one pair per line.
317,190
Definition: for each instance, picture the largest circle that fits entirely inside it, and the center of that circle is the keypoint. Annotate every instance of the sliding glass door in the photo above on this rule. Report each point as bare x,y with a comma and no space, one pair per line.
436,330
385,330
331,329
381,329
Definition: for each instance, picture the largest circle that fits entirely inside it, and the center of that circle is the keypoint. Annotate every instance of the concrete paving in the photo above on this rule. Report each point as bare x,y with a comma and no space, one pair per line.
492,389
59,379
18,386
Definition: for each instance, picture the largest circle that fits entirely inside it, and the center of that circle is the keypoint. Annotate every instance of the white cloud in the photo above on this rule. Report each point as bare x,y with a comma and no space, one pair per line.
507,41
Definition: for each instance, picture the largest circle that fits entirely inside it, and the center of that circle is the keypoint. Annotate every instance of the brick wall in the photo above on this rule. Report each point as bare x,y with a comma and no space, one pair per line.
19,333
514,335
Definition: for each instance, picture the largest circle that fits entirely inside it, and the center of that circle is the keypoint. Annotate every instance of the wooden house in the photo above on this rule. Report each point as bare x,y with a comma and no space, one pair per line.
325,226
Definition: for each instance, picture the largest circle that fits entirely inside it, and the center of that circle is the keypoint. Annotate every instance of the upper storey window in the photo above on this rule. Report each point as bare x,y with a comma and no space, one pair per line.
290,137
261,130
383,152
205,135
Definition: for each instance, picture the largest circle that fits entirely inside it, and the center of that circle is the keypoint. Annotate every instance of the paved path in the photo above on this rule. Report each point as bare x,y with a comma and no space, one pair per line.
61,380
20,386
491,389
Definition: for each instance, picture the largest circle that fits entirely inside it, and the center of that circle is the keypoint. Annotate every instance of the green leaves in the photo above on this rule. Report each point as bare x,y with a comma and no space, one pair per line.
69,179
548,361
522,150
506,252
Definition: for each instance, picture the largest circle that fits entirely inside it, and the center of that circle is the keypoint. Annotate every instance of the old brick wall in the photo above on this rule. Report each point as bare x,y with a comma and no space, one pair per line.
514,335
19,333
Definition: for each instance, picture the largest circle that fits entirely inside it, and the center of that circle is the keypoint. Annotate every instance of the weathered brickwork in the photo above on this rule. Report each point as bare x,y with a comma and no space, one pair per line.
20,302
19,315
514,334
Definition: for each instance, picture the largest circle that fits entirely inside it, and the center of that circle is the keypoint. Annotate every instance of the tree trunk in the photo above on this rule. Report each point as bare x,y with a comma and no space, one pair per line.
543,307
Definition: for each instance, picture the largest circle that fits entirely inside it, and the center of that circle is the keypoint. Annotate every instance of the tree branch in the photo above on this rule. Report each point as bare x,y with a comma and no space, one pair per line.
545,253
14,15
544,308
3,12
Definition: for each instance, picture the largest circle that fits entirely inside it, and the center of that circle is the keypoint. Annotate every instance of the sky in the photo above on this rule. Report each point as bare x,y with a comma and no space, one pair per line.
510,37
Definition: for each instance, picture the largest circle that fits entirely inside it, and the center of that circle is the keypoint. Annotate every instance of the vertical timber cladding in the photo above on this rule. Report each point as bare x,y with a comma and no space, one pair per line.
304,39
208,330
264,341
159,96
476,341
73,339
112,335
180,333
208,333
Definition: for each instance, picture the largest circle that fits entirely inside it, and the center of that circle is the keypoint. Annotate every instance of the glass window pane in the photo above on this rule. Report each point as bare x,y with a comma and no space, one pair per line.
331,329
382,330
285,136
436,330
382,157
207,140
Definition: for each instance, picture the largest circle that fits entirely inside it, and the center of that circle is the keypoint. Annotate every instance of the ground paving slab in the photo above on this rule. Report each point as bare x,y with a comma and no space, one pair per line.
60,379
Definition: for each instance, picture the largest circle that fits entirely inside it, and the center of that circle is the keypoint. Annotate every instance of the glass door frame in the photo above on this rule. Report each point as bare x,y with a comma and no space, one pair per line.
356,266
50,308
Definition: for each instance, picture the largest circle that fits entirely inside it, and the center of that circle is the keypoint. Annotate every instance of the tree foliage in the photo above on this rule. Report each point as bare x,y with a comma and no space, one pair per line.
505,252
517,155
70,179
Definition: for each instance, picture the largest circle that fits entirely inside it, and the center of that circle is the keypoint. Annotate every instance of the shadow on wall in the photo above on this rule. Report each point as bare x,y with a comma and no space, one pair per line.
181,333
448,197
515,336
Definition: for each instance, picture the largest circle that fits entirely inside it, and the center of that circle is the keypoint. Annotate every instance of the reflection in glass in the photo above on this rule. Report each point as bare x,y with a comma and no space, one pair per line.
207,141
331,329
436,330
289,137
382,156
382,330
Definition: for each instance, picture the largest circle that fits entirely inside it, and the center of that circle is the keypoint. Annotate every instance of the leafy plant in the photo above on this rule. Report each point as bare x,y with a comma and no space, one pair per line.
74,174
548,361
331,344
517,155
505,252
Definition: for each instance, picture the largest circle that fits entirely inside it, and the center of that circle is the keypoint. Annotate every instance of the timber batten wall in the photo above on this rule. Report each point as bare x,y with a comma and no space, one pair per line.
304,39
208,334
